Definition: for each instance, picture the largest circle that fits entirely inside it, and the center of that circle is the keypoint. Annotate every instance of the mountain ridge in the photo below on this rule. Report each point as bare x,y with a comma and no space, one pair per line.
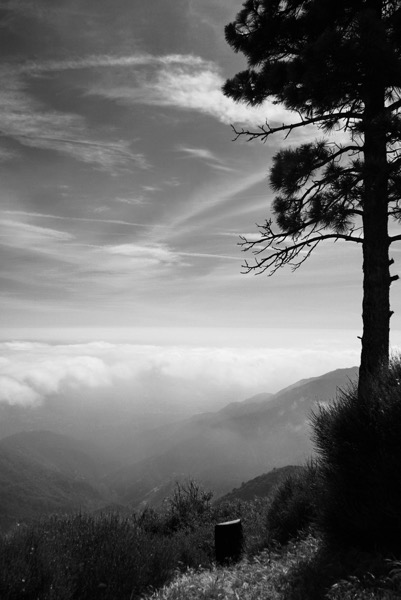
47,471
261,486
32,484
224,448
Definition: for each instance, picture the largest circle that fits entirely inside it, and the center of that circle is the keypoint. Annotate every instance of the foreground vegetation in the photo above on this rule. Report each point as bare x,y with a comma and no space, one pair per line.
301,570
330,531
109,556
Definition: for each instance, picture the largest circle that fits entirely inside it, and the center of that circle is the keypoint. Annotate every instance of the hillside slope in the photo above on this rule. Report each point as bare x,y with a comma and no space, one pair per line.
43,473
262,486
233,445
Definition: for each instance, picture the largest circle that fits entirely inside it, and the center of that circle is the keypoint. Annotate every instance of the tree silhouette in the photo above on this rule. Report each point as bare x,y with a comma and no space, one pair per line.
337,65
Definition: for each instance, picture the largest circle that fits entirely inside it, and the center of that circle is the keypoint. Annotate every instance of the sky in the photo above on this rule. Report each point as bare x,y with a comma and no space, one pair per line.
124,195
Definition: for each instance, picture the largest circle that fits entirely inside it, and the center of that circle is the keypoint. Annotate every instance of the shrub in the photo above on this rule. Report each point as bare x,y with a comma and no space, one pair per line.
84,557
358,442
294,505
189,505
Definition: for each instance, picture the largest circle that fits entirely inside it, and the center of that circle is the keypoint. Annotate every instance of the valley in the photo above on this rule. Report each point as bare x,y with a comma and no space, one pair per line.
49,466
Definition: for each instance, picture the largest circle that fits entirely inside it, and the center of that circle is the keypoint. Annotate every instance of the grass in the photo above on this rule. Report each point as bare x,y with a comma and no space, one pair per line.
85,557
262,576
302,570
82,556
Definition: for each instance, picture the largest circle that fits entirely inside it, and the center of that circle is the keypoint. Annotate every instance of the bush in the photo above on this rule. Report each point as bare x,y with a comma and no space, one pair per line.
294,505
358,442
85,557
81,557
188,506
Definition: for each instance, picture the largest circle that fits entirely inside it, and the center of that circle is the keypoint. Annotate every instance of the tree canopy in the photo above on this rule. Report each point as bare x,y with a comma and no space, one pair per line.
336,64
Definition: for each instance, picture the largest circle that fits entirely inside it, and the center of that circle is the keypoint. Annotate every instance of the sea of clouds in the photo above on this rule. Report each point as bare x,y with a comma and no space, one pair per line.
200,378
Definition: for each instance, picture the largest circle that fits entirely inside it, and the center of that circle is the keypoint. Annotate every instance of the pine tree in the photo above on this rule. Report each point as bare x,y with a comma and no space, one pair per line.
337,65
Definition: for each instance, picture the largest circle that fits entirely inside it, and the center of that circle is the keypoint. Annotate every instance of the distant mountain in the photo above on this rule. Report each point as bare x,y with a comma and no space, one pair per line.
54,451
46,471
233,445
42,472
262,486
112,424
241,408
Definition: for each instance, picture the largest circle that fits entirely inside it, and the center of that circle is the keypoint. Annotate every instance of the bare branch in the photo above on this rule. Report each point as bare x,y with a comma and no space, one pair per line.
288,255
266,130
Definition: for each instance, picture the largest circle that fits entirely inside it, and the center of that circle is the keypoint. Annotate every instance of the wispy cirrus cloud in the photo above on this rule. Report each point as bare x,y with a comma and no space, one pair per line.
151,188
19,234
209,255
106,156
202,153
185,82
134,201
25,213
110,265
211,159
110,61
57,261
188,83
209,202
29,122
156,254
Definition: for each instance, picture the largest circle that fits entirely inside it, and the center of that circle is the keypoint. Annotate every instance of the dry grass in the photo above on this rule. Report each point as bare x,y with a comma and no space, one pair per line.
264,576
301,571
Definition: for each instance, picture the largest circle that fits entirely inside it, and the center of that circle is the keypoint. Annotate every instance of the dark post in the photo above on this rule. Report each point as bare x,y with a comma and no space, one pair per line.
228,541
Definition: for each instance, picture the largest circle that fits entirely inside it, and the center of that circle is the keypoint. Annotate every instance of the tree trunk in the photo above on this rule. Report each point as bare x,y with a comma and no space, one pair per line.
376,298
376,266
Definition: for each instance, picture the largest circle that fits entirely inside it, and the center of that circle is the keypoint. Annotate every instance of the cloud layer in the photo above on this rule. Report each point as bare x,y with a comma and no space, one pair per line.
182,82
32,372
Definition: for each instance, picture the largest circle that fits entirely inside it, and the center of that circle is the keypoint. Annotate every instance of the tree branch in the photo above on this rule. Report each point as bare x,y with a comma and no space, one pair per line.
289,254
266,130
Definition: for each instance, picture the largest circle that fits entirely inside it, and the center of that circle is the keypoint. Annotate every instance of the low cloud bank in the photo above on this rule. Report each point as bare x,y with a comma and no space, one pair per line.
198,378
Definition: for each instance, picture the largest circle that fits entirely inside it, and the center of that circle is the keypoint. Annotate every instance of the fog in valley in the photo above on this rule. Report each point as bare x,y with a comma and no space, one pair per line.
130,420
147,384
150,378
